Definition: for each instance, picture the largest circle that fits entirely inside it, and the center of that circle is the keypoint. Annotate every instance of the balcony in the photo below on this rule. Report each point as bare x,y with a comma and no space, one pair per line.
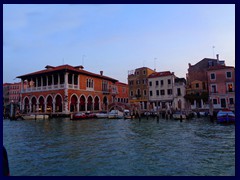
47,88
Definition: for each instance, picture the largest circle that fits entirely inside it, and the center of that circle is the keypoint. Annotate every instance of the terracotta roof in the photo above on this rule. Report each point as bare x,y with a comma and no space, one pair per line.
160,74
65,67
219,67
120,83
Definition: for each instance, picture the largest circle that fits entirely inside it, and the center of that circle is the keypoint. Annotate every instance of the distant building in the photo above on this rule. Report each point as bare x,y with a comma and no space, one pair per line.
221,84
138,86
11,93
123,91
65,89
161,87
197,84
179,92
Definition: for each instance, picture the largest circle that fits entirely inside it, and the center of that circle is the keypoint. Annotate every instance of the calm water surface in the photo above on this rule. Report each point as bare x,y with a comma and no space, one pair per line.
97,147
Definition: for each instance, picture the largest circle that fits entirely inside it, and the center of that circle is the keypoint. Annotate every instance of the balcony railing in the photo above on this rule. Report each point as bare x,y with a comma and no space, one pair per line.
47,88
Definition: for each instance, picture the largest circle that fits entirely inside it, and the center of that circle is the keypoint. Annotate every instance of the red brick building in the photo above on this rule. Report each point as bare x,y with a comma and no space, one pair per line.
197,82
221,84
64,89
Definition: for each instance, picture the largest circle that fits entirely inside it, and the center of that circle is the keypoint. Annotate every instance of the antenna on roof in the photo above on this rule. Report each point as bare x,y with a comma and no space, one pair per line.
213,51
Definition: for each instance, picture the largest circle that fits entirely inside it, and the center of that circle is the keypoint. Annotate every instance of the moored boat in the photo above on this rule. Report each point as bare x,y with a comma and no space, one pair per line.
78,116
35,116
102,114
179,115
225,116
115,114
127,114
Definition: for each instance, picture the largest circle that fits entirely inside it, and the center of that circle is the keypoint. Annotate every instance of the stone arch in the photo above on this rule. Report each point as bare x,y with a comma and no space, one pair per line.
89,103
96,103
73,103
33,103
41,101
49,102
82,104
58,103
105,103
26,104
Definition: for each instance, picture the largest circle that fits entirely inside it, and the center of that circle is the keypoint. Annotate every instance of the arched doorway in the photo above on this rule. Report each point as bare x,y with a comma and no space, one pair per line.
49,104
73,103
58,104
26,105
34,104
105,103
89,103
96,103
82,103
180,104
41,104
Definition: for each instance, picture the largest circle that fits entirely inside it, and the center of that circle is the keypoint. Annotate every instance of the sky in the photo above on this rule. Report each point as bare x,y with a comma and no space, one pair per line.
115,38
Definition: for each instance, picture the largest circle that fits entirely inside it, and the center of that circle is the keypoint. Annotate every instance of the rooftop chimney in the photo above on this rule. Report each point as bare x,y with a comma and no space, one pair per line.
217,58
101,73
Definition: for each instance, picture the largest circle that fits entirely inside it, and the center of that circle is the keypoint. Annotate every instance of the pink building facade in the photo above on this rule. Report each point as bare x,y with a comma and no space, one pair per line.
221,84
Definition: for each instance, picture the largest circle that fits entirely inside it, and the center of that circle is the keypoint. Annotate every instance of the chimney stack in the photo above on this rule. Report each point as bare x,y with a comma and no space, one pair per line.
101,73
217,58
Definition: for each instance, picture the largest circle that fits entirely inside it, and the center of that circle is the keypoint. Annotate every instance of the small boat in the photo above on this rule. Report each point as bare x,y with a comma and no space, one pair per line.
35,116
115,114
225,116
90,115
179,115
102,114
126,114
78,116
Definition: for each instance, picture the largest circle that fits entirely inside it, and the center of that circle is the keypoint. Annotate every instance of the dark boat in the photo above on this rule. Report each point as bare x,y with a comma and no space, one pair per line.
225,116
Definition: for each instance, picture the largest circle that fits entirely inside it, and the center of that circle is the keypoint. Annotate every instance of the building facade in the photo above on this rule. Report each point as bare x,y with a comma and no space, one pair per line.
65,89
179,92
138,86
197,82
221,84
161,87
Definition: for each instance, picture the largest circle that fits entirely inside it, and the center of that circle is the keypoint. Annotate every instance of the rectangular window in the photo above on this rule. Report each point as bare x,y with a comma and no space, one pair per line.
212,76
131,93
162,92
161,82
150,83
230,87
197,85
150,93
178,91
156,83
214,101
213,88
157,92
169,81
144,92
169,91
223,103
231,101
229,74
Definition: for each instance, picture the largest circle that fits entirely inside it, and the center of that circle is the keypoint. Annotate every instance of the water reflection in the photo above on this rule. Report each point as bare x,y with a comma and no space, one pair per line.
119,147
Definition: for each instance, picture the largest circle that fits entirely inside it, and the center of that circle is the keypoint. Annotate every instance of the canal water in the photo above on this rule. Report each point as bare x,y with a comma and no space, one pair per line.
103,147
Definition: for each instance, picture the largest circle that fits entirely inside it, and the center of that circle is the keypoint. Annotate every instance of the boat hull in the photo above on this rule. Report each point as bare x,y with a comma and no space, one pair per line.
227,117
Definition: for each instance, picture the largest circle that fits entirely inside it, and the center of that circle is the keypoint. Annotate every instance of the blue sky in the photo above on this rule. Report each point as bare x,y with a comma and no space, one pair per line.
115,38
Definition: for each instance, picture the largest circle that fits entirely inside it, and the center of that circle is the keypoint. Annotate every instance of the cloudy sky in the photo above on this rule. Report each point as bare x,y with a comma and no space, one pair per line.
115,38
